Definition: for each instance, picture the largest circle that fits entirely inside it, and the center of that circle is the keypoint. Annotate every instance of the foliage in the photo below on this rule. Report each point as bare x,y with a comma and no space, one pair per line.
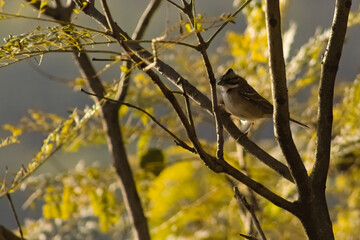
180,203
84,200
41,41
346,163
62,134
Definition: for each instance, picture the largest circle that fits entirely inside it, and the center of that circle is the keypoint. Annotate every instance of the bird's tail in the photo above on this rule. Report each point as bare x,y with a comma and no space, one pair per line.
299,123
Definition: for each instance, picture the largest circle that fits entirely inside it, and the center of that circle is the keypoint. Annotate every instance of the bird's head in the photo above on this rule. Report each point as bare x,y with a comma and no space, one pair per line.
230,80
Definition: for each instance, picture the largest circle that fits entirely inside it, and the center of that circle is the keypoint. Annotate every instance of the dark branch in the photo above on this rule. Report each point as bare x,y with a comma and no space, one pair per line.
280,99
189,11
175,4
138,34
243,202
326,93
15,215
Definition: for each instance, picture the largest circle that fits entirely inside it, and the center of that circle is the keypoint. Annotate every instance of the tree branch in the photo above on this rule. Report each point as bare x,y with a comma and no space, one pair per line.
189,11
117,149
137,34
15,215
59,12
254,149
194,93
329,69
259,188
242,202
145,19
208,159
188,110
109,19
280,99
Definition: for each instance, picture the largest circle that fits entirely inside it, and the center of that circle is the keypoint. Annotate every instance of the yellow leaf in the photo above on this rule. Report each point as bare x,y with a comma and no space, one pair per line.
143,141
198,27
140,80
124,68
35,115
188,27
15,131
43,4
47,211
32,166
48,148
48,198
7,141
123,111
104,223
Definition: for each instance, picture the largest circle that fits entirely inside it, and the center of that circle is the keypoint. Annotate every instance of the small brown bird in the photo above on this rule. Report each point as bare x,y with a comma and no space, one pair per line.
241,100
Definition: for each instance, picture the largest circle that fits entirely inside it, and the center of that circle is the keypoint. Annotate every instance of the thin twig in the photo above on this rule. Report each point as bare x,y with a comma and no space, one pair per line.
209,160
242,202
137,34
145,18
108,16
188,110
175,4
215,107
109,60
16,184
163,41
225,23
37,53
15,215
247,237
61,22
177,140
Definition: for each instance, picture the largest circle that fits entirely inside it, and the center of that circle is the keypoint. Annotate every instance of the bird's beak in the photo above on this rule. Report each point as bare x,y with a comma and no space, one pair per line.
221,82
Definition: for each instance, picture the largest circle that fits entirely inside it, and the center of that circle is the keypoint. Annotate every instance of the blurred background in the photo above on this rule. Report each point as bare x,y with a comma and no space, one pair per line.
28,85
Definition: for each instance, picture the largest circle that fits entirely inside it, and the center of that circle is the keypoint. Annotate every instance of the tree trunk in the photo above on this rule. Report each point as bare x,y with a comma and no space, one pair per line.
314,216
121,164
110,121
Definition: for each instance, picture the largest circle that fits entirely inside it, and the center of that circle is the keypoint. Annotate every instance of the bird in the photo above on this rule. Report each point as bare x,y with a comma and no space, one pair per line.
243,101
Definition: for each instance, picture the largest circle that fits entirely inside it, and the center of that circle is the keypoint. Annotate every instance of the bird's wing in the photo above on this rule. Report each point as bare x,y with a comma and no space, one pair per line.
250,94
